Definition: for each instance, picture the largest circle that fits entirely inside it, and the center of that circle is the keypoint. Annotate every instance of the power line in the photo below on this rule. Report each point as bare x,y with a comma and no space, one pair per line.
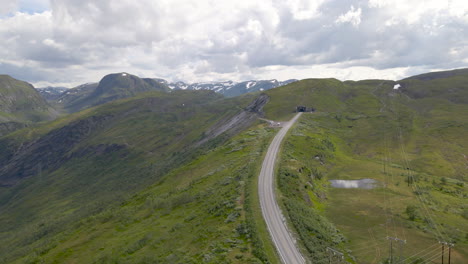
414,185
434,257
420,252
425,254
386,202
369,246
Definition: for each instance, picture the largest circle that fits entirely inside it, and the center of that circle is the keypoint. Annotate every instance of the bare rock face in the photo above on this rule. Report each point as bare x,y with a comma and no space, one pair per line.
257,105
240,121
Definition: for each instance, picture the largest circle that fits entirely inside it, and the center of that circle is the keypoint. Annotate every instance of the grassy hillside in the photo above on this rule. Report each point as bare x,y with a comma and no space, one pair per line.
448,85
322,94
160,178
20,105
78,168
198,213
413,146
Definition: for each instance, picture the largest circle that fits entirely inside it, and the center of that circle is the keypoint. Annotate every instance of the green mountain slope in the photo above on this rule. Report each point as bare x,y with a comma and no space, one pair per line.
413,146
439,75
21,104
171,177
450,85
74,96
198,213
54,177
111,87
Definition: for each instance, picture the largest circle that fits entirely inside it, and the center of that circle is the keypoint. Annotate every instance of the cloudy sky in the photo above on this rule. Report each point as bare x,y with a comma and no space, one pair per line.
69,42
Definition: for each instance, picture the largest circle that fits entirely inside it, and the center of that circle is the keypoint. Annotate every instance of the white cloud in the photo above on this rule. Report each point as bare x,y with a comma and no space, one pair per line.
333,71
24,6
353,16
203,40
413,11
8,6
458,8
304,9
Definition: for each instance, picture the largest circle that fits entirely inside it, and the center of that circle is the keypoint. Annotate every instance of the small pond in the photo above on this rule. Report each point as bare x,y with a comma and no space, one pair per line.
349,184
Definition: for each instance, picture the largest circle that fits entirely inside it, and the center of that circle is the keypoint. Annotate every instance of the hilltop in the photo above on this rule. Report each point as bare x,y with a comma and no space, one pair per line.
110,87
20,105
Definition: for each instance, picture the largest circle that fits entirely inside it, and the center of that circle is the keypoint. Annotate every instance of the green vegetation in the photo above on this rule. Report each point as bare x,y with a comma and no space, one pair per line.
86,196
323,94
21,105
135,180
197,213
111,87
413,147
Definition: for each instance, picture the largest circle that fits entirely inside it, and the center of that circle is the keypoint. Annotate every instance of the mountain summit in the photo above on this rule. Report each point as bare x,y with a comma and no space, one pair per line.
121,85
111,87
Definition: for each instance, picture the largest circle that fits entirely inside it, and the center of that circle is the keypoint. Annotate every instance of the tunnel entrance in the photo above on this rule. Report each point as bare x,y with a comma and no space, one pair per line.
301,108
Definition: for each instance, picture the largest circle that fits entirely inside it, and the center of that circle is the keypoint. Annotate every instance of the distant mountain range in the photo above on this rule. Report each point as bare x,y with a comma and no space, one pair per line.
51,92
111,87
229,88
226,88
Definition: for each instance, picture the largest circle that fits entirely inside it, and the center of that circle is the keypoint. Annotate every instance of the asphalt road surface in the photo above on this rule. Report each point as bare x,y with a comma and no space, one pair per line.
276,223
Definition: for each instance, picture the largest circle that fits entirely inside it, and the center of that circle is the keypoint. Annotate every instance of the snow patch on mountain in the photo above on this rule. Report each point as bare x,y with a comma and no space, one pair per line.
228,88
250,84
50,93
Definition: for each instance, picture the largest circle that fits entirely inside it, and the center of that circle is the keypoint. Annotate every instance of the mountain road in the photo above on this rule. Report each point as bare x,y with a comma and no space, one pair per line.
276,223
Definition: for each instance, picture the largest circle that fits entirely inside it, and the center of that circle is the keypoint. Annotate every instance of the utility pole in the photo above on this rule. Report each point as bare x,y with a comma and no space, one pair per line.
449,245
450,249
391,252
443,245
401,242
410,179
333,254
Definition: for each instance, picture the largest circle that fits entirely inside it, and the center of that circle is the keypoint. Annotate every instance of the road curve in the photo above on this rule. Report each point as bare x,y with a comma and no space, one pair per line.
274,219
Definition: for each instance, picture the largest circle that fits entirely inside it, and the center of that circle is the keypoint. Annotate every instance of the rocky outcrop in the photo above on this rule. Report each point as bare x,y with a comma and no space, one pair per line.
239,122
